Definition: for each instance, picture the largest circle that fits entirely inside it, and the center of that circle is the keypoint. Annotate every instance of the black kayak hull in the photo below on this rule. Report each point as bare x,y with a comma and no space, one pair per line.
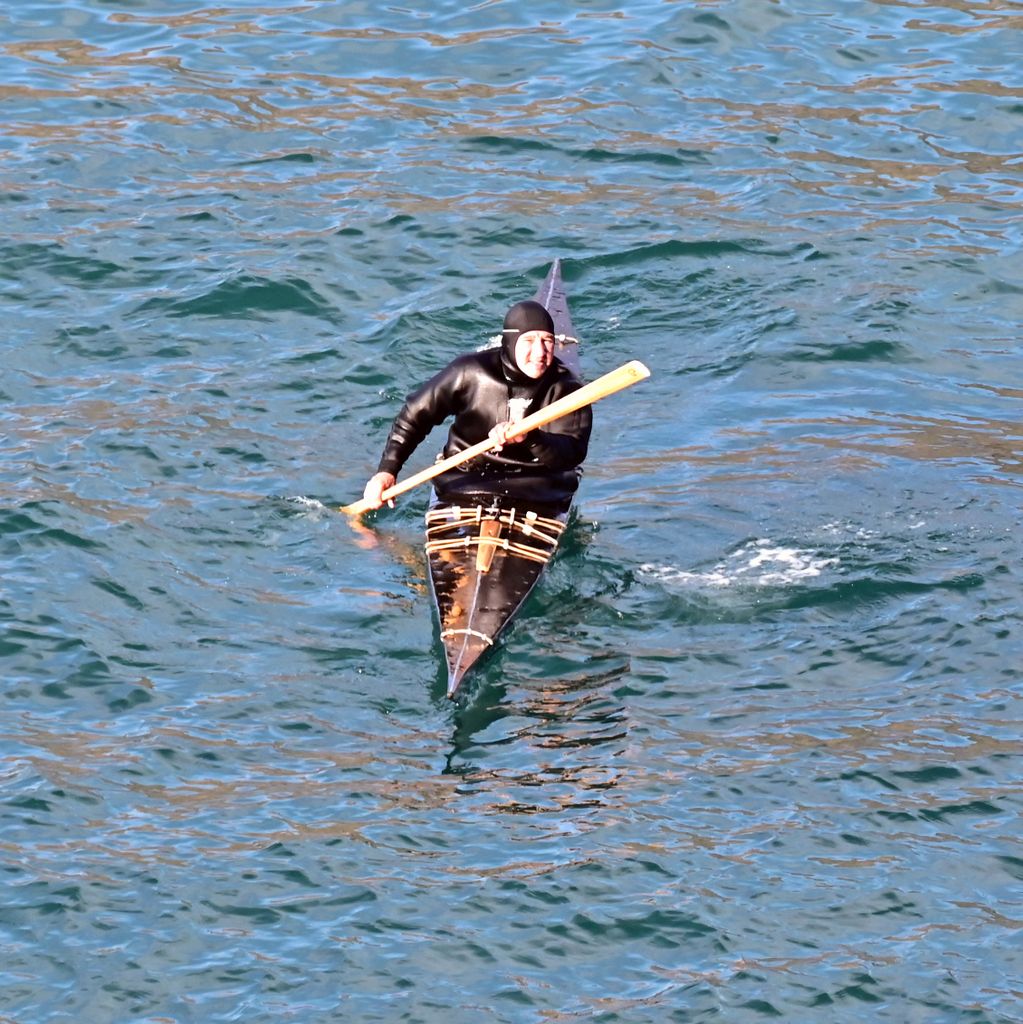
484,562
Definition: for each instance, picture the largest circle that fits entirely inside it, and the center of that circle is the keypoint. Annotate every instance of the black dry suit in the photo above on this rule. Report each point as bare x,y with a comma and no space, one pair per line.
481,390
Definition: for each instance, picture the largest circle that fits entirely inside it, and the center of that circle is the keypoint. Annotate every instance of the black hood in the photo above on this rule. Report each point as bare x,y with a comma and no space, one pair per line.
520,319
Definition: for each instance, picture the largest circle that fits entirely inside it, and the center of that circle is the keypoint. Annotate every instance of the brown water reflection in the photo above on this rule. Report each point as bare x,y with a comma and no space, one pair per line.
996,442
237,235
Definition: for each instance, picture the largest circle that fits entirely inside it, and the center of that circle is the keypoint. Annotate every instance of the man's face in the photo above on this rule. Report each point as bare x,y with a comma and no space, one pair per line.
534,351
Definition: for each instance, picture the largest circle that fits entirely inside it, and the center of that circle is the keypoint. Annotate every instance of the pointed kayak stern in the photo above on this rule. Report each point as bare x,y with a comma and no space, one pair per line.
464,648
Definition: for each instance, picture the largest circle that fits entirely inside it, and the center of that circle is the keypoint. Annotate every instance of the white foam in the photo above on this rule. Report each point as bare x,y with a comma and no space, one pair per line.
845,530
309,505
760,563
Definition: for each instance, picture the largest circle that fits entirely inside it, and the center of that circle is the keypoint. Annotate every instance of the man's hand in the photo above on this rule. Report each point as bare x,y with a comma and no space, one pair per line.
505,433
374,492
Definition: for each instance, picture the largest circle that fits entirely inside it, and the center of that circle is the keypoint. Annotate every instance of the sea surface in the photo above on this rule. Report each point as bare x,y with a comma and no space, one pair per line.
753,749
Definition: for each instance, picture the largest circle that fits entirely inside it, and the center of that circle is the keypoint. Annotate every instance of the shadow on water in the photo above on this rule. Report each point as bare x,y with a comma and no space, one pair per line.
547,743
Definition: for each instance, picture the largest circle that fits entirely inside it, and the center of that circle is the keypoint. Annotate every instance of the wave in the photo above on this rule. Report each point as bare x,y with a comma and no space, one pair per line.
758,563
248,296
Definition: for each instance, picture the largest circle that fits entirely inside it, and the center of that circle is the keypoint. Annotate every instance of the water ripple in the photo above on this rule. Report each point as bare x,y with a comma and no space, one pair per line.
748,752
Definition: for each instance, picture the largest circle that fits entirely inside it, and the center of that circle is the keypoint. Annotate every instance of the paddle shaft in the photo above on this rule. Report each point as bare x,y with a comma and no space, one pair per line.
626,375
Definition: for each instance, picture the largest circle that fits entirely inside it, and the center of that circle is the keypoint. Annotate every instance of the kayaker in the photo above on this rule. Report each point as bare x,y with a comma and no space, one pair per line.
487,393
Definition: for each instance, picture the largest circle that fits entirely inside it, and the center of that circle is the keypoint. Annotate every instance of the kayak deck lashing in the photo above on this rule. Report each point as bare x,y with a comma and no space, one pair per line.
526,535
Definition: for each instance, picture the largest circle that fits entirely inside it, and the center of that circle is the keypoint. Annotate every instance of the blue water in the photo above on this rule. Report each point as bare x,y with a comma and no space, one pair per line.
752,750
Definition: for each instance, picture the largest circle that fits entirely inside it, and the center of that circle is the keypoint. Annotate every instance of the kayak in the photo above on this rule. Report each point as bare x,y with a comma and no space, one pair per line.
485,554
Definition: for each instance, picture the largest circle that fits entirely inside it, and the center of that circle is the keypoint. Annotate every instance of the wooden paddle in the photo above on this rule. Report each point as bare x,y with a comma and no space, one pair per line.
626,375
